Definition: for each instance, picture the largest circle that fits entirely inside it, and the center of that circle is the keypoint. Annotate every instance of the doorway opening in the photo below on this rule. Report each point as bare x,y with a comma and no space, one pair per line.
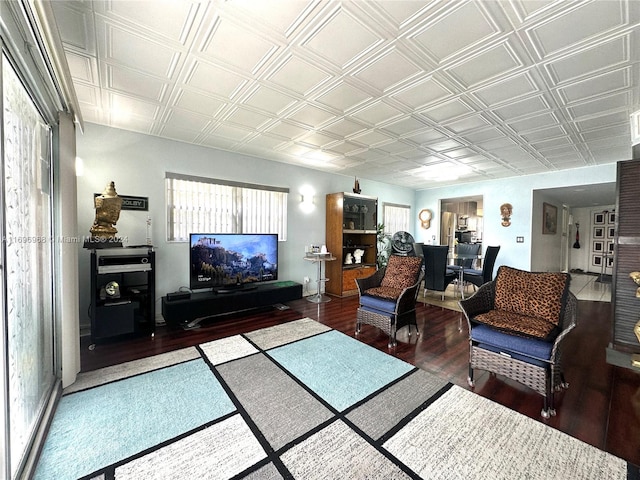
461,220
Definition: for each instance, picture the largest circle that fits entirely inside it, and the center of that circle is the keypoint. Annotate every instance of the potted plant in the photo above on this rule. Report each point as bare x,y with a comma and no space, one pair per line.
384,246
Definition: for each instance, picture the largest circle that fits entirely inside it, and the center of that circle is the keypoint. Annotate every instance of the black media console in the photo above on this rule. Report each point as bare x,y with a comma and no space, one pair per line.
189,312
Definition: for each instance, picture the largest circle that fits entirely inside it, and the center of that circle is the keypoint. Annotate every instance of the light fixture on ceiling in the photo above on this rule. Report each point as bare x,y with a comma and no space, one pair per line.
442,172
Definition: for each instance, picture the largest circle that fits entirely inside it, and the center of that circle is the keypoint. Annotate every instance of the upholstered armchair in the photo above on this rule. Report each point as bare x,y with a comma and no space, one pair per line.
517,323
388,297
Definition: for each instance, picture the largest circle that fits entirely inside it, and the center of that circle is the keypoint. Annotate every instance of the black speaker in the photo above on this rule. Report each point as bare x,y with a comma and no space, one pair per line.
172,297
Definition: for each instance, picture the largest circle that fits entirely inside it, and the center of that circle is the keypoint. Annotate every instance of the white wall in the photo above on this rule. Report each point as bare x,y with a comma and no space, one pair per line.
545,248
137,164
519,192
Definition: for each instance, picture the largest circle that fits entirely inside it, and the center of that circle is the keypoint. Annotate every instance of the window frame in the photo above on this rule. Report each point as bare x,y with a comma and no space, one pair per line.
398,206
238,197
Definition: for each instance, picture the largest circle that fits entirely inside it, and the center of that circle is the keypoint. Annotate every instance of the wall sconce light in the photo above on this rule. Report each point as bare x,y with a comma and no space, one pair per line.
306,199
79,167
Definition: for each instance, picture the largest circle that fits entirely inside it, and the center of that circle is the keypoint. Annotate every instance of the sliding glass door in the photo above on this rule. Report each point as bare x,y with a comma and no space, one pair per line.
26,275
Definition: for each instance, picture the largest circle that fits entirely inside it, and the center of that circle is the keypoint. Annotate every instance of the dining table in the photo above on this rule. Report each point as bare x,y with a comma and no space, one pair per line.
460,268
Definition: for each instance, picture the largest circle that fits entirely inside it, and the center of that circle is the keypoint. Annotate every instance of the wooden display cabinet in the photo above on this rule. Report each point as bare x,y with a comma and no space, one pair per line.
351,224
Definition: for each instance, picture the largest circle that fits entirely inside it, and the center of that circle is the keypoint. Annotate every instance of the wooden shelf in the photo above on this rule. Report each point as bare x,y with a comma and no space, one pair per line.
347,231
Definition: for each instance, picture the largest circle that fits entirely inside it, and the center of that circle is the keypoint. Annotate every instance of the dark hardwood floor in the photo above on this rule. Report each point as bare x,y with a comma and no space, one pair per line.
601,406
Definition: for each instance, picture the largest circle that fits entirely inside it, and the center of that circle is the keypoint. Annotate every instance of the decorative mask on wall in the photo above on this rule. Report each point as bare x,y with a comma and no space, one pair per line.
506,209
425,216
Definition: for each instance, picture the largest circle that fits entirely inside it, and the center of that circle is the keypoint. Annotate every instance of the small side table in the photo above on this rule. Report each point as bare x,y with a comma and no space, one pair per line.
319,258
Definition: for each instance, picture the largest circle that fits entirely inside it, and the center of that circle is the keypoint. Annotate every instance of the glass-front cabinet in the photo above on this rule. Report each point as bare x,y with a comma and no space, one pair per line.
359,214
351,237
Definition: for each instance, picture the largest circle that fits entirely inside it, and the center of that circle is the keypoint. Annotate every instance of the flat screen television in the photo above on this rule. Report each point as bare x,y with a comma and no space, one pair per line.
231,260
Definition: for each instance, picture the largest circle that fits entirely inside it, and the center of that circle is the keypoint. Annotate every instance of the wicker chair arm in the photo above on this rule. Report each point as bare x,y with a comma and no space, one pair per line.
371,281
407,299
480,302
568,322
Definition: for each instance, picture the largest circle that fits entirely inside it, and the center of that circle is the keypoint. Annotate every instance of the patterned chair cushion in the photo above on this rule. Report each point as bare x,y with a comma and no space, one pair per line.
531,294
517,324
389,293
401,272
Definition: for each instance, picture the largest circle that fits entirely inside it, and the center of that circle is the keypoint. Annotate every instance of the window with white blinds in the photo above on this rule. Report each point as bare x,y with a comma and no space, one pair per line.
207,205
396,218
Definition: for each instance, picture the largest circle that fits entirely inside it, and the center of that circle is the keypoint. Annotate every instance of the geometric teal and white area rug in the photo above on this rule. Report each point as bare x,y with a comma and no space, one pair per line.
302,401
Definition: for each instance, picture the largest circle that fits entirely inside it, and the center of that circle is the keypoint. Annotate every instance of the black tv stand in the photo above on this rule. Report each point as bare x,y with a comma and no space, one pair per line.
190,312
234,288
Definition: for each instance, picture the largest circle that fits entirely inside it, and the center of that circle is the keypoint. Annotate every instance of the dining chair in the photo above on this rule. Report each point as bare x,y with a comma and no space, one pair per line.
479,277
469,252
436,274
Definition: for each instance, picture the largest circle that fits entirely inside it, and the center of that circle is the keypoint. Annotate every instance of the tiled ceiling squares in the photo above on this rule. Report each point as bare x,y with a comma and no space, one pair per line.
133,50
376,113
470,23
493,63
223,45
342,38
591,60
247,118
168,19
281,19
226,82
311,116
579,23
343,128
343,97
134,82
509,87
269,100
404,126
422,93
597,85
199,103
388,70
298,75
447,111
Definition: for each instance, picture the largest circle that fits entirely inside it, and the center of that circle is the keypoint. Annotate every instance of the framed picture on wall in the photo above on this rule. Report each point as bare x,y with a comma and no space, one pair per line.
549,219
610,247
598,246
598,232
611,232
612,217
598,218
597,260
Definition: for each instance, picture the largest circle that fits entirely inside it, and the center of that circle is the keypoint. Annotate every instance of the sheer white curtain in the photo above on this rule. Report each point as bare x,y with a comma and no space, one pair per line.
196,205
27,309
396,218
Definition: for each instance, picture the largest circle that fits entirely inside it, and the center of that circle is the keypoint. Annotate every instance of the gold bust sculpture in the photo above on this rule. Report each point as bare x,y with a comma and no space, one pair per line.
108,205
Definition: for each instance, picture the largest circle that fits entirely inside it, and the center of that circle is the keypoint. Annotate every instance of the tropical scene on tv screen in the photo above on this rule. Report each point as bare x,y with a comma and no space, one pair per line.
223,259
